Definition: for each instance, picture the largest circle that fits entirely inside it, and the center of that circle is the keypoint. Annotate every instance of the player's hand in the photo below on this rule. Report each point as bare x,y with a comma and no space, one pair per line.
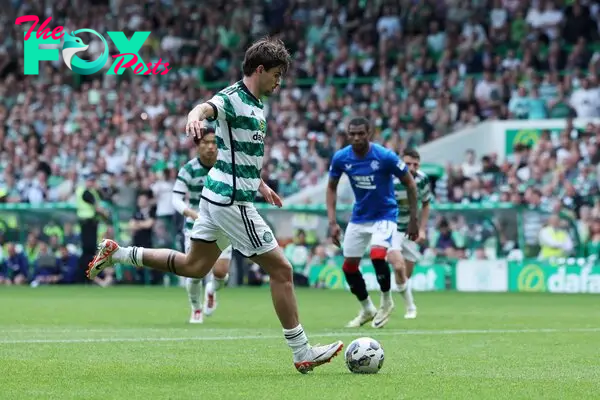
269,194
335,232
422,237
192,214
412,230
195,129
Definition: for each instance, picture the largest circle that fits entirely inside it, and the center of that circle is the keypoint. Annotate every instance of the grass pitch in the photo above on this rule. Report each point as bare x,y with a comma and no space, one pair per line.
135,343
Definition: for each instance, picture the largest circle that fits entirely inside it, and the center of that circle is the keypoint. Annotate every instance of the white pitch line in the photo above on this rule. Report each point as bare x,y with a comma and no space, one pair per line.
49,330
274,337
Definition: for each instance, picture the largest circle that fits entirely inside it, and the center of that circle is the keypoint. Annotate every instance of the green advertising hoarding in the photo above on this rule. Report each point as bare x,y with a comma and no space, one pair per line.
528,136
540,276
524,136
431,277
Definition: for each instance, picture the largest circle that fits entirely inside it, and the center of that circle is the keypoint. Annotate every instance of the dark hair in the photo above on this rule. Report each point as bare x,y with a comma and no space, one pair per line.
269,53
206,131
411,153
357,121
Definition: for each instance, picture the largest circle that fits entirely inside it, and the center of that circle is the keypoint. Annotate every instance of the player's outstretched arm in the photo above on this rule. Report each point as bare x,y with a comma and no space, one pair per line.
423,222
331,201
181,207
195,121
426,197
412,230
180,190
269,194
335,173
400,170
201,112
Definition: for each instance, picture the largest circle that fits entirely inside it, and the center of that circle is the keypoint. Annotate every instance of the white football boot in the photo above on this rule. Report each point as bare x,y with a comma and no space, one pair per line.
197,317
210,299
383,314
363,317
103,258
316,356
411,313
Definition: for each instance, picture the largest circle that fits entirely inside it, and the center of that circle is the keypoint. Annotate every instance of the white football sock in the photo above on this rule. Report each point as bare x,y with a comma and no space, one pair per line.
194,290
297,340
217,284
406,292
368,306
386,298
129,255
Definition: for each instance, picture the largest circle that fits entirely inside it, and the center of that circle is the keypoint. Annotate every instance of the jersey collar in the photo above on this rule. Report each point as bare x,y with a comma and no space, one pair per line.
202,164
249,93
366,154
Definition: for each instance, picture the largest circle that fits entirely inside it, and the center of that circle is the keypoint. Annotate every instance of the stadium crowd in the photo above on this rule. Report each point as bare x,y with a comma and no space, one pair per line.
417,69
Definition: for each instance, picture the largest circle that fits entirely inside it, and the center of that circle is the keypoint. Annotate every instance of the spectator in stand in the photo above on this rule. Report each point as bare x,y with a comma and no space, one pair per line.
141,225
46,268
593,243
445,245
299,254
554,241
470,168
15,267
67,264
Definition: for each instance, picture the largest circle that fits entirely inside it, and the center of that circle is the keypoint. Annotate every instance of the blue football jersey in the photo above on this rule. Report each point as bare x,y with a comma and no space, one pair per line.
372,181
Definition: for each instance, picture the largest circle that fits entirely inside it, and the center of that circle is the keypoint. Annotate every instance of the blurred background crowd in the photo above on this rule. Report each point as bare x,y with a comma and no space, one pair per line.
418,69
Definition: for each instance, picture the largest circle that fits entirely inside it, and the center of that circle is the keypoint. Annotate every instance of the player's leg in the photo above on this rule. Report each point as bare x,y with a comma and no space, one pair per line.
219,275
411,254
193,286
396,258
197,263
251,236
381,240
356,240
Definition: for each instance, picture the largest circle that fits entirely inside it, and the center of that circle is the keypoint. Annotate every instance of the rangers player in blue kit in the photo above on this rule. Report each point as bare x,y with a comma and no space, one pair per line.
371,169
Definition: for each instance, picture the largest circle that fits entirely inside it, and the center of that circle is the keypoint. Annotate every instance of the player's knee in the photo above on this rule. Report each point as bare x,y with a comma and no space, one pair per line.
395,259
198,268
221,268
283,273
378,253
351,265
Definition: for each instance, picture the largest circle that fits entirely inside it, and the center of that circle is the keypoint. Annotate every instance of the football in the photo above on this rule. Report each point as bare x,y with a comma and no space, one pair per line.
364,356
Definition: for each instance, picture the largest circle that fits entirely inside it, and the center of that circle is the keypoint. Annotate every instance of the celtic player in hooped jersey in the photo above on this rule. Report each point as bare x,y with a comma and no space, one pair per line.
404,252
190,182
226,211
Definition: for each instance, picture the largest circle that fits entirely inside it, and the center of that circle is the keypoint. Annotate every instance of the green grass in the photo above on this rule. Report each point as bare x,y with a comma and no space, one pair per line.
135,343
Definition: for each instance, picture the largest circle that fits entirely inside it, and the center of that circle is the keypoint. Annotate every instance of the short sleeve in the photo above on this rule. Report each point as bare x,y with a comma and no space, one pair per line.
396,165
425,194
335,169
222,107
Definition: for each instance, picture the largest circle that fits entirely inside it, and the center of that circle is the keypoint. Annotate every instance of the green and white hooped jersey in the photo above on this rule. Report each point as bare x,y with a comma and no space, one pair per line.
240,133
423,195
190,179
